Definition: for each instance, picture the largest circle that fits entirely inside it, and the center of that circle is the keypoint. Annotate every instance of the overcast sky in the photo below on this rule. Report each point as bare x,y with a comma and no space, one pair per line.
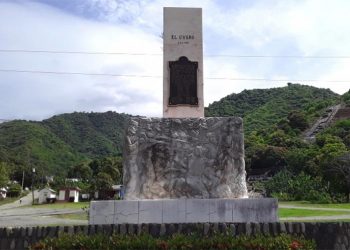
302,28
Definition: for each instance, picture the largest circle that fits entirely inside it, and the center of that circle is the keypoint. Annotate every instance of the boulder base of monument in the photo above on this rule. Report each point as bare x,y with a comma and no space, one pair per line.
184,158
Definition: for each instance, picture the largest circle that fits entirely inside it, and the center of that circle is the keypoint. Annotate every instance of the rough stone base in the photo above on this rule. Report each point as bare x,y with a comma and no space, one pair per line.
195,158
183,211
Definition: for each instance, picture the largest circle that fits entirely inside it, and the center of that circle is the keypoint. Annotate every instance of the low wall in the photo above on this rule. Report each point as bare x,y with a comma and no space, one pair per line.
327,235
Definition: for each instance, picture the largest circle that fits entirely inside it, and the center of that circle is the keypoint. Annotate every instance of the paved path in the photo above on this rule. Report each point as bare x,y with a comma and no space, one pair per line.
15,215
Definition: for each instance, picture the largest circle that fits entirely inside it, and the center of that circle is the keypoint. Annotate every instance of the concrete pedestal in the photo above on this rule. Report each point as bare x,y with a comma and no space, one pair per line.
183,211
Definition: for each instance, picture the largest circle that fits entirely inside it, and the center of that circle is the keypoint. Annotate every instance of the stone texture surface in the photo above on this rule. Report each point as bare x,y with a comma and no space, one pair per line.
184,158
182,36
186,211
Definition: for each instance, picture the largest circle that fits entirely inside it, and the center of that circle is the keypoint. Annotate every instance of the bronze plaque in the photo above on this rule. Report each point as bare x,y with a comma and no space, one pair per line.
183,82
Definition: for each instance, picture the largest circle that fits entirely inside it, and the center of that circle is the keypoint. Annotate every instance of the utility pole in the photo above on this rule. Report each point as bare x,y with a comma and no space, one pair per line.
33,174
23,181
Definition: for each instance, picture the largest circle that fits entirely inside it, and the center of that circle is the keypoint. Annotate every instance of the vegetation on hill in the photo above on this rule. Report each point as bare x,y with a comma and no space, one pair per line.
262,108
55,144
274,119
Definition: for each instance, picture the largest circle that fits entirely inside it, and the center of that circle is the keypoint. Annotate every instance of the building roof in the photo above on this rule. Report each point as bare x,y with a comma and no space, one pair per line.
74,188
51,190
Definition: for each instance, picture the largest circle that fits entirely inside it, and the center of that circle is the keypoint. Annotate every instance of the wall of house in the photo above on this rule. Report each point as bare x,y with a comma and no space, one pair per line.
61,195
327,235
75,194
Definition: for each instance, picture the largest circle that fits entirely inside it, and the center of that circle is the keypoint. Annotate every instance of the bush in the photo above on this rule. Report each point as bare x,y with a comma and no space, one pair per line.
177,241
318,197
282,196
287,187
14,190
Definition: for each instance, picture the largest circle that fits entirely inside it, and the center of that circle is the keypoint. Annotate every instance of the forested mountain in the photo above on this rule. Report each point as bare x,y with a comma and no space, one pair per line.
262,108
274,121
55,144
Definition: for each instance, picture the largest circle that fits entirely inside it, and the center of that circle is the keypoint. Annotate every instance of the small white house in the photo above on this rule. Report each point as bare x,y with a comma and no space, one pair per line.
69,194
46,195
3,192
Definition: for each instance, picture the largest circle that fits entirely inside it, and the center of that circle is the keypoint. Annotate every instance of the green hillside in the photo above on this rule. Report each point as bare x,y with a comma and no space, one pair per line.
57,143
261,108
90,134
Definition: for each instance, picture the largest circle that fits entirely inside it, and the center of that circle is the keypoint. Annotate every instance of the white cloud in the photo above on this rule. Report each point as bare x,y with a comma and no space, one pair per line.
39,96
270,27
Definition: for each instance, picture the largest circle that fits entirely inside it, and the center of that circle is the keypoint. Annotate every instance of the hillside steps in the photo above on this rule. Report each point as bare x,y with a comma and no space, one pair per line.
322,123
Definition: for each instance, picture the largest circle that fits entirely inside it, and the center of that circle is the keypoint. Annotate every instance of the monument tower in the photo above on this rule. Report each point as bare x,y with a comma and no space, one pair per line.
183,63
183,168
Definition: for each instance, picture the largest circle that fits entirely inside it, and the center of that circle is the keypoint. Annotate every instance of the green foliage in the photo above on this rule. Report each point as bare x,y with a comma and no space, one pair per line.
262,157
263,108
4,175
14,190
55,144
286,186
103,181
80,171
297,120
346,98
177,241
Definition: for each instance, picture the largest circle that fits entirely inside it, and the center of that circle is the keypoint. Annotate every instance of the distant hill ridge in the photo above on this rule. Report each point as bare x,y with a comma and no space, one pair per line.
262,108
63,140
4,120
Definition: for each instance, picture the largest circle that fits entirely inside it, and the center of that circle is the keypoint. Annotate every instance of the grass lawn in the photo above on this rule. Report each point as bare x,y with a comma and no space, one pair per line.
294,212
308,204
80,216
63,205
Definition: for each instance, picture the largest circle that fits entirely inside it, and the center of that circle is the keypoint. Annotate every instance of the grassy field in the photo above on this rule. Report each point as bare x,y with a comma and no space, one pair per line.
294,212
63,205
308,204
80,216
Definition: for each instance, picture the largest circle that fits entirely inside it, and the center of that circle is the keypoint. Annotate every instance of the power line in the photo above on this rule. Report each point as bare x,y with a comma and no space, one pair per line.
160,54
75,73
78,52
155,76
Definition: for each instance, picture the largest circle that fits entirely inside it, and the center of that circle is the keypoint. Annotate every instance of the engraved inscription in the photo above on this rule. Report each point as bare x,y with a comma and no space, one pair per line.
183,82
182,39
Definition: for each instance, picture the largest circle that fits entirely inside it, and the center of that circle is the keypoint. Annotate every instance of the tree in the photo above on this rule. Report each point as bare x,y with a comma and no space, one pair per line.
297,120
81,171
341,166
103,181
14,190
4,175
113,167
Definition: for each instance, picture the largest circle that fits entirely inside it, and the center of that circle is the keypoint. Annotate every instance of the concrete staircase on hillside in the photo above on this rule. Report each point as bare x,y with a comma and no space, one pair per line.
322,123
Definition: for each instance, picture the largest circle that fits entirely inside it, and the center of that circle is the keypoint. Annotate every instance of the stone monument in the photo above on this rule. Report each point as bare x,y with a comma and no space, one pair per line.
184,168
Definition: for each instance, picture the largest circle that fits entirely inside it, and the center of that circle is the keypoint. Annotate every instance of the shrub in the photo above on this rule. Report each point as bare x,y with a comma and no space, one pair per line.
286,186
177,241
282,196
14,190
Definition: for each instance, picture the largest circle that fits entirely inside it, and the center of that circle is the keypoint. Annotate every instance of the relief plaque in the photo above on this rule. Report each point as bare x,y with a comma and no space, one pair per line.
183,82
